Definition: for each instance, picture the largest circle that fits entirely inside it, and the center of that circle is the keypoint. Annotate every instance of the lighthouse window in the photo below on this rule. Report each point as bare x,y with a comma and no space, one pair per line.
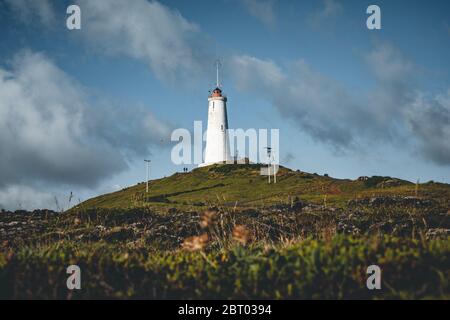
221,127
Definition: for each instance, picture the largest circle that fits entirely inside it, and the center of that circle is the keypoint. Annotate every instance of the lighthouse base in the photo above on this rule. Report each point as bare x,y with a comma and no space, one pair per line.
234,161
211,163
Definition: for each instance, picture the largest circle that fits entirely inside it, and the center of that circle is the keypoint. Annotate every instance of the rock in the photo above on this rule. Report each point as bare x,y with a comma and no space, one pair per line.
389,183
100,228
297,204
390,201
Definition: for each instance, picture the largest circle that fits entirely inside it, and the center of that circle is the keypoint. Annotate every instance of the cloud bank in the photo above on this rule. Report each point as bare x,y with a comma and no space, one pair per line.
149,31
51,134
393,111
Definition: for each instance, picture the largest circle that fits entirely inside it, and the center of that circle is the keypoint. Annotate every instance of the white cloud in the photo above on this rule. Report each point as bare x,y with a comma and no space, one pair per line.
250,73
389,65
173,47
393,111
23,197
429,121
319,105
148,31
51,134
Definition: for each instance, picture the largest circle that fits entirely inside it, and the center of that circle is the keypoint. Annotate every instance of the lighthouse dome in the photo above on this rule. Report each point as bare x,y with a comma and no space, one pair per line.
216,92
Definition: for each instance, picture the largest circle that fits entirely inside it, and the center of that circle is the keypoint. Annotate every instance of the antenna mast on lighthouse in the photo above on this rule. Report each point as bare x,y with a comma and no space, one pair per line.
218,65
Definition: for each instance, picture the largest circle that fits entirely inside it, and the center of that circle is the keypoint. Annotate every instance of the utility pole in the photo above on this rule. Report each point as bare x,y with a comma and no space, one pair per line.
269,152
148,172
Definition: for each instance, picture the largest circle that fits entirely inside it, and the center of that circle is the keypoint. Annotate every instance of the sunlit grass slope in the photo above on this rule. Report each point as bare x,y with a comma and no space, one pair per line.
243,186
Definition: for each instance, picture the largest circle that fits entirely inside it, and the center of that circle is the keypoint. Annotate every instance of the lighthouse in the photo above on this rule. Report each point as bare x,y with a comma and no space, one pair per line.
217,140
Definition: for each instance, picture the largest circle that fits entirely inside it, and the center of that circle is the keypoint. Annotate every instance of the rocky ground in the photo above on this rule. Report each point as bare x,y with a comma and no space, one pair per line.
299,250
398,216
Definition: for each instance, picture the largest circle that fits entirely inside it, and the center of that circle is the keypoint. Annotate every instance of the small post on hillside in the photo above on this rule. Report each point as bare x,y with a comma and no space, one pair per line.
148,173
269,152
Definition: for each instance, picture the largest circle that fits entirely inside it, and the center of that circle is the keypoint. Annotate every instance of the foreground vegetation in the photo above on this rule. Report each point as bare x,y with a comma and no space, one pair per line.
309,237
309,252
303,269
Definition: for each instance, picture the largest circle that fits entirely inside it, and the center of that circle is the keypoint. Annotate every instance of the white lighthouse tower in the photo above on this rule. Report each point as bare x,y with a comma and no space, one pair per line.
217,141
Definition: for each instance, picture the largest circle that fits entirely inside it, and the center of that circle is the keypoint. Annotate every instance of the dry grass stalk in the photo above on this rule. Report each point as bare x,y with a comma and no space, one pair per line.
195,243
207,218
241,234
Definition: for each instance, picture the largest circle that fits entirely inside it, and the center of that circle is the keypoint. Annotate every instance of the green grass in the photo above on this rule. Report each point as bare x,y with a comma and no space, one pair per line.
306,269
243,186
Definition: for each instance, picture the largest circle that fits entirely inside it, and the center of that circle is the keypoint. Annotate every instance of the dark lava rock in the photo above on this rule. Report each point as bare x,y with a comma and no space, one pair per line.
392,201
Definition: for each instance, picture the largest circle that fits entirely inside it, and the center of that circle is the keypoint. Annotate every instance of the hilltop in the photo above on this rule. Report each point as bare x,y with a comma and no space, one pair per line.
242,186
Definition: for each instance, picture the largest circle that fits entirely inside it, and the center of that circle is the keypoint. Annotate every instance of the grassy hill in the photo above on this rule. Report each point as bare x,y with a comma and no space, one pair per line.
242,186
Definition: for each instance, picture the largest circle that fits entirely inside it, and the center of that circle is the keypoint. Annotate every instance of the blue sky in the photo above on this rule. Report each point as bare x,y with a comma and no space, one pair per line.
81,109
